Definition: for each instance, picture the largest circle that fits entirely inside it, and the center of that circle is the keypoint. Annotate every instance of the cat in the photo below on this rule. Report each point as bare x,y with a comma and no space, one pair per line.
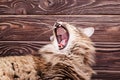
69,56
72,51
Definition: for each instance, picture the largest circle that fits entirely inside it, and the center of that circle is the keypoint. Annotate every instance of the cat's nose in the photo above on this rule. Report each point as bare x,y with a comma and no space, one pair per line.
57,24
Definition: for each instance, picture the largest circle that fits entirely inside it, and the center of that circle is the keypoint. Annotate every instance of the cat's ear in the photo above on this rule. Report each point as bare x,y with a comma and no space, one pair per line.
88,31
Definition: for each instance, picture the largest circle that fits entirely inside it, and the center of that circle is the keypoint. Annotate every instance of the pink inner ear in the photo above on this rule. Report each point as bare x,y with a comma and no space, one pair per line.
89,31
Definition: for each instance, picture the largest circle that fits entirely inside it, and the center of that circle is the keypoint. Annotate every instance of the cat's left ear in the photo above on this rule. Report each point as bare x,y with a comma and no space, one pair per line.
89,31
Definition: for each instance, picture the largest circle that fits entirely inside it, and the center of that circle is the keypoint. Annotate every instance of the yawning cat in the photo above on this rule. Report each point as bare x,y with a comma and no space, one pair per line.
71,51
69,56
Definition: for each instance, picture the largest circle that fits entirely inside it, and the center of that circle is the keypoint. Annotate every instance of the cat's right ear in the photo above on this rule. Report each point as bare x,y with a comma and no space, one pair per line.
88,31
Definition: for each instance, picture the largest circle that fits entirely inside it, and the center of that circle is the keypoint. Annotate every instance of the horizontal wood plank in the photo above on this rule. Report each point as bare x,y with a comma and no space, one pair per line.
39,28
104,57
107,64
65,7
106,75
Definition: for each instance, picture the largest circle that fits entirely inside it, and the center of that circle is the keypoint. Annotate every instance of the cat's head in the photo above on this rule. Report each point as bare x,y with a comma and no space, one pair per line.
71,46
65,36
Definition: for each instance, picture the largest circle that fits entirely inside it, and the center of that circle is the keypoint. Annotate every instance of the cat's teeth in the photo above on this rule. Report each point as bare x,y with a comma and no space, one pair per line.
62,43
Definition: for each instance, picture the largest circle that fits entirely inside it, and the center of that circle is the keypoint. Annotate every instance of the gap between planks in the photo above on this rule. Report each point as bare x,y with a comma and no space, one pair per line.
107,71
58,15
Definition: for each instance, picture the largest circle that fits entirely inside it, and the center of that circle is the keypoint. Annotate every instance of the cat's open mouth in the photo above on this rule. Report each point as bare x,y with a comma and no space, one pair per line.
62,35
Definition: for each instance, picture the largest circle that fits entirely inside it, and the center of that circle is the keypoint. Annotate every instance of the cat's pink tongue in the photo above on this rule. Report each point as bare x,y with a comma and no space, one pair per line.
62,43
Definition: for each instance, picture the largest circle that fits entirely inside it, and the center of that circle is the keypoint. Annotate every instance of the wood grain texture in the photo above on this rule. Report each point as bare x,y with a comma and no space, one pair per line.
21,35
38,28
65,7
12,48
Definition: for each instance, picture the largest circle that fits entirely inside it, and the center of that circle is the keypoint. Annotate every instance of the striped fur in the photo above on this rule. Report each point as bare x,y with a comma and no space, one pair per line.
72,63
78,55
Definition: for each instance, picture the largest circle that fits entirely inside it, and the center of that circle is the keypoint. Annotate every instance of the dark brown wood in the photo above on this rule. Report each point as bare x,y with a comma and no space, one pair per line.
39,28
107,75
65,7
25,27
25,34
11,48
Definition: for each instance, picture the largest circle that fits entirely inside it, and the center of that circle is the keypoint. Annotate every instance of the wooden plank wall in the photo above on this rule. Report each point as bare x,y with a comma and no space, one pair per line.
25,26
